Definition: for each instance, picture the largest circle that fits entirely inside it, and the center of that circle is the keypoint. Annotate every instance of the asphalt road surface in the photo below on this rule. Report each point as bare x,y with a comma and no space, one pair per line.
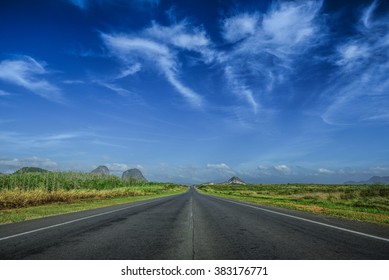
192,226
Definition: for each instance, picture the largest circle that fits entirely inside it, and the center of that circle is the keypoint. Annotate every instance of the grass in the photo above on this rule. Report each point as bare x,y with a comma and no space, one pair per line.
368,203
28,213
33,195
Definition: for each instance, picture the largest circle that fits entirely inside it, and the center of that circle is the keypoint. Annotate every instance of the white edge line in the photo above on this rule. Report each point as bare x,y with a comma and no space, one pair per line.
303,219
77,220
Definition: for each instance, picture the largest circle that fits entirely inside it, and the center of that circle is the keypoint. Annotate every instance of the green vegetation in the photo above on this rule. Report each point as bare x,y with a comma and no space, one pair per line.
369,203
32,195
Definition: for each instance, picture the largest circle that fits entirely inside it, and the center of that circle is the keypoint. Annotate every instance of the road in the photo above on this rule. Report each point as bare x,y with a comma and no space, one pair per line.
192,226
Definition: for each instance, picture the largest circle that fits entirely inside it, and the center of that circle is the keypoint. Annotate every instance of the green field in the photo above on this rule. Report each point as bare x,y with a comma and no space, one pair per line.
31,195
368,203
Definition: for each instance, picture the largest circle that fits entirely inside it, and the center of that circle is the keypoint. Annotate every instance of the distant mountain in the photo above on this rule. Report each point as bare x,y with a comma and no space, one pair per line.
235,181
101,170
133,174
379,180
31,170
372,180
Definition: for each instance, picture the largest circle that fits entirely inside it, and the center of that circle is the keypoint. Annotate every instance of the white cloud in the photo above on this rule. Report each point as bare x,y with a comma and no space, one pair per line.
287,29
240,89
139,167
380,169
194,98
325,171
18,141
358,91
117,167
218,166
268,46
64,136
107,144
189,41
288,24
267,170
182,35
368,13
282,168
120,91
26,72
264,51
126,47
352,53
239,26
251,67
129,71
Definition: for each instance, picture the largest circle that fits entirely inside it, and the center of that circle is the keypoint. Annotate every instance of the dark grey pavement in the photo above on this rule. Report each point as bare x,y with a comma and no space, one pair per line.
192,226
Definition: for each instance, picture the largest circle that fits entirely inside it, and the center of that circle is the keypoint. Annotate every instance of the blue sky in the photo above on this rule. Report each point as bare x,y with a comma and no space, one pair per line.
197,91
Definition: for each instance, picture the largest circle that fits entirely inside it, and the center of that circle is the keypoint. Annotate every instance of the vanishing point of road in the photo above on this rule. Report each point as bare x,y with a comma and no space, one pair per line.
192,226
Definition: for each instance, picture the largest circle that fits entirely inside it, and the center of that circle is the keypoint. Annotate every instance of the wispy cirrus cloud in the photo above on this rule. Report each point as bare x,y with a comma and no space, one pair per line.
129,71
266,47
240,88
261,49
184,36
218,165
119,90
291,26
73,82
19,141
128,48
351,54
359,90
286,29
368,14
27,73
239,27
131,96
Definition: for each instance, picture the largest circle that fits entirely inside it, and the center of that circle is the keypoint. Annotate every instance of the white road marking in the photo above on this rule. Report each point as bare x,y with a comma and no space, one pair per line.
77,220
306,220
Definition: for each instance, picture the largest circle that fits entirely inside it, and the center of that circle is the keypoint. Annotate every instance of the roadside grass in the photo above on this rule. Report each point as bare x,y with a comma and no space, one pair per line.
29,213
34,195
367,203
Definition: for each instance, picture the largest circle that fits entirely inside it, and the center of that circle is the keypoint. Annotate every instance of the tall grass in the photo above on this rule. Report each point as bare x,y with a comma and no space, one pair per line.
32,189
359,202
52,181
